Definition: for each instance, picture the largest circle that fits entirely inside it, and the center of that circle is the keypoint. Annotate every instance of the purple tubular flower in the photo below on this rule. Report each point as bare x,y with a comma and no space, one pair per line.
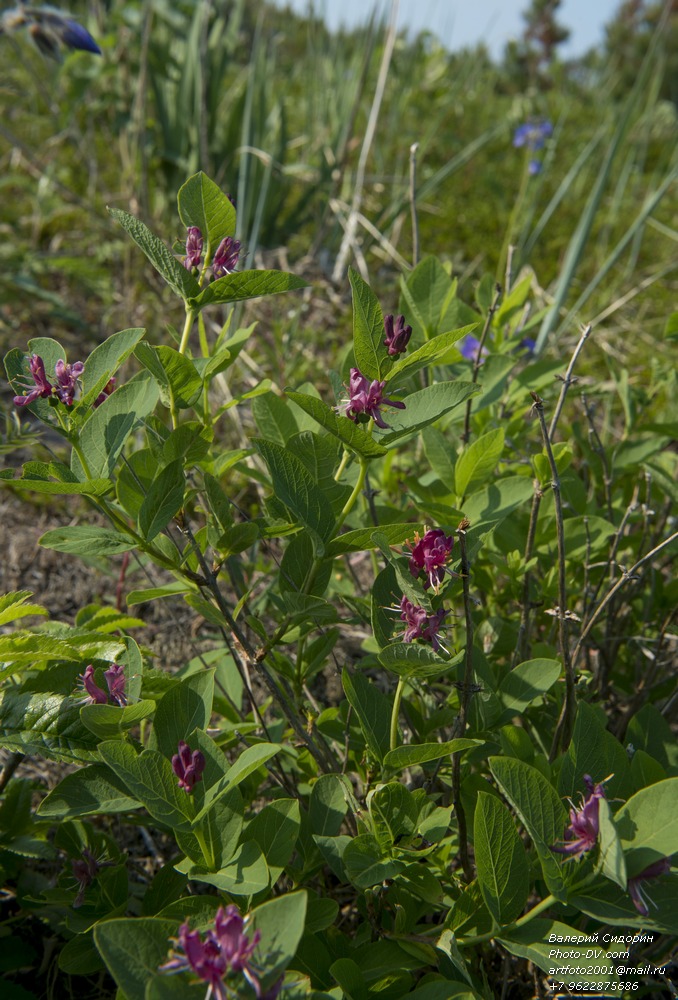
430,554
188,767
421,625
225,949
42,389
193,256
468,348
85,870
582,833
96,695
225,259
67,376
398,336
637,892
366,397
74,36
49,29
115,679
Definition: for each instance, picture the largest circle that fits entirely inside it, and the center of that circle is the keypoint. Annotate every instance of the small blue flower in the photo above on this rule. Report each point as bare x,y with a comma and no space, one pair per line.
533,136
468,348
49,29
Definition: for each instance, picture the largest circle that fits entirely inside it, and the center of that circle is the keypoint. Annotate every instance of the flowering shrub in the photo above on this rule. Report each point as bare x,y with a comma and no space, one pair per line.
406,837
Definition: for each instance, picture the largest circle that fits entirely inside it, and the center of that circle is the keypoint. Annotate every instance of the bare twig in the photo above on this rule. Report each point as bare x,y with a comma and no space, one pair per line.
521,649
567,380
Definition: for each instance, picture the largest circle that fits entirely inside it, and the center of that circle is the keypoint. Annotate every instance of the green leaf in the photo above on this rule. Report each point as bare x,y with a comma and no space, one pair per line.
246,285
86,540
612,905
249,761
164,498
422,753
534,942
648,825
328,805
364,863
349,433
611,861
104,362
92,488
489,507
245,875
133,950
202,203
274,418
150,779
45,724
539,809
280,922
154,593
526,682
295,487
275,829
477,461
424,407
166,264
109,721
373,710
362,539
104,434
368,329
430,353
394,812
187,706
13,606
501,860
593,750
90,791
183,380
428,292
409,660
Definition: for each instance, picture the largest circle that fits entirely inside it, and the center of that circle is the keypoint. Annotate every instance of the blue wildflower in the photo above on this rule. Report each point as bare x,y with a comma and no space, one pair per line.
533,136
49,29
468,348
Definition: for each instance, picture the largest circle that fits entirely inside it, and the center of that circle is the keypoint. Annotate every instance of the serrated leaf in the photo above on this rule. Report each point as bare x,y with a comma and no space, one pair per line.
87,540
349,433
13,606
162,259
246,285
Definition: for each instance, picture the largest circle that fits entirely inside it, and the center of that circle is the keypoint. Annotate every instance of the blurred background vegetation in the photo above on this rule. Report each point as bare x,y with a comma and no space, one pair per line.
276,109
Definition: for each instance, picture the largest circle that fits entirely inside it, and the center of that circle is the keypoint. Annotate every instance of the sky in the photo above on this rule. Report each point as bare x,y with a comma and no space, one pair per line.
459,23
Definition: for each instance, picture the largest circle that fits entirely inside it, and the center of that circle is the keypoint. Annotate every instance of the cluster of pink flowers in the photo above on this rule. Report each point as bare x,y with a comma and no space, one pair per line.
420,624
188,766
64,387
223,950
224,261
366,398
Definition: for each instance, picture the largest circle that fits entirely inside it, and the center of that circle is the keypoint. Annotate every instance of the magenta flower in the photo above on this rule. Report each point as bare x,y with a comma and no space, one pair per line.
637,892
367,397
397,337
582,833
115,681
96,695
193,256
225,259
85,870
225,949
188,767
67,376
42,389
430,553
420,624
